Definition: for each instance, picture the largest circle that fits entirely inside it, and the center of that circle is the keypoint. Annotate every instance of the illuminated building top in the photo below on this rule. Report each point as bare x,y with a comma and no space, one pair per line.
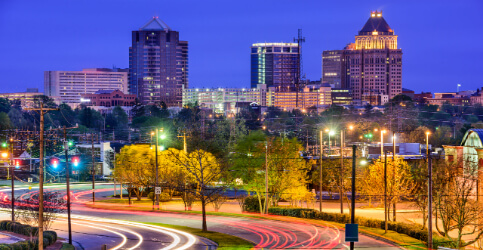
376,34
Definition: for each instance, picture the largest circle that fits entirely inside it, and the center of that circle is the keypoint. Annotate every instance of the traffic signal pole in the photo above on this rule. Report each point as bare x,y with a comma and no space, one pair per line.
13,178
157,180
67,172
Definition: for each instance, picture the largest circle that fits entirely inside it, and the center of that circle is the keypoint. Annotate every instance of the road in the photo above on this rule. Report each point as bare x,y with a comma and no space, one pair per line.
265,233
90,232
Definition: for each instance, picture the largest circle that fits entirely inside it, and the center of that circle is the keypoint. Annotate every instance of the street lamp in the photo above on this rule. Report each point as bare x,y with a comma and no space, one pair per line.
382,140
163,136
430,194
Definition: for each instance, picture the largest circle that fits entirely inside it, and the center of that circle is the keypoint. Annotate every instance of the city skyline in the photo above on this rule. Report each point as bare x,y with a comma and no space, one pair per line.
103,39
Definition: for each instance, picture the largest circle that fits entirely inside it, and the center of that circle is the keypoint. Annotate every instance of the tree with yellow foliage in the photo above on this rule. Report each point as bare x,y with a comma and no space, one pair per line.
400,183
135,167
204,171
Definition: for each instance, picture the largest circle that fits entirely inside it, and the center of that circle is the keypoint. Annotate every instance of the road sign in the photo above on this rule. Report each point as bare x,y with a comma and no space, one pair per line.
157,190
30,180
352,232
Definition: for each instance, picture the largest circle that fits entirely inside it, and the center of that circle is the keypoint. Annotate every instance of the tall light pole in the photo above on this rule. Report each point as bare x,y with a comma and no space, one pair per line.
162,136
341,171
13,178
266,177
382,141
321,169
430,194
394,170
385,192
353,195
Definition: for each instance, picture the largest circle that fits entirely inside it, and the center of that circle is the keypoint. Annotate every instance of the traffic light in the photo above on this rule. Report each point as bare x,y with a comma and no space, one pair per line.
4,144
75,161
17,164
55,163
368,136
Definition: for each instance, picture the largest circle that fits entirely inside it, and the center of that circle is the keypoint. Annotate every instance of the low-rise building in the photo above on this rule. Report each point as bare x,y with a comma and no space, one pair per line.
341,96
451,98
224,100
26,98
290,98
108,98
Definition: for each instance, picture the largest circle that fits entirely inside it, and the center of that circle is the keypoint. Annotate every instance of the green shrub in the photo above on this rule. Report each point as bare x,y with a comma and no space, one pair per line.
22,245
4,247
251,204
164,197
67,246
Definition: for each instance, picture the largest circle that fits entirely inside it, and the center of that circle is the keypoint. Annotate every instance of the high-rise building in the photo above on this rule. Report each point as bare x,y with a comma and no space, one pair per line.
158,64
275,64
68,86
372,66
332,65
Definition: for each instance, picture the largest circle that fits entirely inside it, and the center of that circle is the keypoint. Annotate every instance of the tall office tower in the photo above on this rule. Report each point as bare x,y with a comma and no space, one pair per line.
373,64
68,86
158,64
332,65
275,64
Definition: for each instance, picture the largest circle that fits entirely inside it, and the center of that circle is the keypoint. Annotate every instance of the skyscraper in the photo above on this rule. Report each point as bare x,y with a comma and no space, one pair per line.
158,64
372,66
275,64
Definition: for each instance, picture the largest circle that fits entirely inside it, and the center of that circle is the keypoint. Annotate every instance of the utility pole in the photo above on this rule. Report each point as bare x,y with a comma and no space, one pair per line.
353,196
341,188
321,169
385,192
42,112
93,170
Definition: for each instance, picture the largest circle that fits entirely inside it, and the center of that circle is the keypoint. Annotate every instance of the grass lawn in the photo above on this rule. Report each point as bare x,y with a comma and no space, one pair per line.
224,241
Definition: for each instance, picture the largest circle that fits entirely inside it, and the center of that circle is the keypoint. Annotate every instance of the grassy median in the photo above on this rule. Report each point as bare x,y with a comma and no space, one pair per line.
224,241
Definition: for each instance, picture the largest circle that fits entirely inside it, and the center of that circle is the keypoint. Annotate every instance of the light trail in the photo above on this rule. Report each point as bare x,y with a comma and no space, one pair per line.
167,231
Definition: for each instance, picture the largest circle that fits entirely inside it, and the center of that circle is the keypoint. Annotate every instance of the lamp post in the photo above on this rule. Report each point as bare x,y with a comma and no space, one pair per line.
321,169
13,178
156,159
430,194
266,177
382,141
385,192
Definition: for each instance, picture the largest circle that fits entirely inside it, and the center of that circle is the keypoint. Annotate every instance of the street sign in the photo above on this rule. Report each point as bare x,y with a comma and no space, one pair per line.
351,232
157,190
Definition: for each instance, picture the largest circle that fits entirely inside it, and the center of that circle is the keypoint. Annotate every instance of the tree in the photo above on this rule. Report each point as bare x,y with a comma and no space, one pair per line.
455,203
399,180
27,212
5,105
418,135
205,171
17,119
286,168
135,167
4,121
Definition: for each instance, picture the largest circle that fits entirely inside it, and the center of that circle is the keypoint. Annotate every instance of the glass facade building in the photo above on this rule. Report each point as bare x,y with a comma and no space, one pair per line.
275,64
158,64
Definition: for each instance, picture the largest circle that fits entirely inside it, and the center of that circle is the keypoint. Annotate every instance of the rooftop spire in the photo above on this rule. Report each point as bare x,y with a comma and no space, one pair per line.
155,24
376,25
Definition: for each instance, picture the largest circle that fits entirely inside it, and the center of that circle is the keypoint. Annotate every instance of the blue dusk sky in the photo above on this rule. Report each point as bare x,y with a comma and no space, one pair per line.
441,40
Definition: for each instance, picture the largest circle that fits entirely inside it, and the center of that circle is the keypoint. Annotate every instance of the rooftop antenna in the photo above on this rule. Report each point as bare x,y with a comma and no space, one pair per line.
300,39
